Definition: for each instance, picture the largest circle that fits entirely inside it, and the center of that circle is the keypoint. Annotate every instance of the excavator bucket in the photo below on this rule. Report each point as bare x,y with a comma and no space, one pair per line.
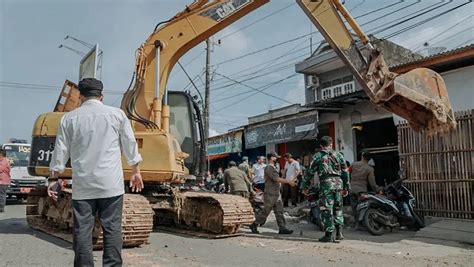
420,96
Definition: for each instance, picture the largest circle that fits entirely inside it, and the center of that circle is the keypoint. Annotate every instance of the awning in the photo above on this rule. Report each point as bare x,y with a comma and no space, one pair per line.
220,156
301,126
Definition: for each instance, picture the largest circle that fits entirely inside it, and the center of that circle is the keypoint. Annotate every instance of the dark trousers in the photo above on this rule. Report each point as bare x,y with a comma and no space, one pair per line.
110,215
271,202
289,192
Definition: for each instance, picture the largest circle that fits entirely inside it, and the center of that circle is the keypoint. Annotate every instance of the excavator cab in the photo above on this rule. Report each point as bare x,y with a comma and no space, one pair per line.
186,127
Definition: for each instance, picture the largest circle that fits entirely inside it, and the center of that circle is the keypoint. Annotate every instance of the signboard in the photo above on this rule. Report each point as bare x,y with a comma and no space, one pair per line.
300,127
222,144
88,65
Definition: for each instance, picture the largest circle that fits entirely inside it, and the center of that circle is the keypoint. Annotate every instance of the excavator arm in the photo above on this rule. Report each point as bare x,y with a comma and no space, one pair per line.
146,101
419,96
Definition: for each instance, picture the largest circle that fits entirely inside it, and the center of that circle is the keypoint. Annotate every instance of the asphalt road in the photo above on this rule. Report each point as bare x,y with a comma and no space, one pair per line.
22,246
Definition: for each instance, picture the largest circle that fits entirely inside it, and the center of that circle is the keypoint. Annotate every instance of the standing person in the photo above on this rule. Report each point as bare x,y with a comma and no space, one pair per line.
93,136
300,194
245,167
272,197
362,177
258,170
236,181
292,170
333,184
5,178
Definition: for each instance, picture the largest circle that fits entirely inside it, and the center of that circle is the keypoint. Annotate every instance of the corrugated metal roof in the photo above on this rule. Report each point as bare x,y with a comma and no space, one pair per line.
442,54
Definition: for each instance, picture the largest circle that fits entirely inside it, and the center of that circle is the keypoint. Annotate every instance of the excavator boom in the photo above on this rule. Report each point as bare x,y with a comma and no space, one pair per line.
419,96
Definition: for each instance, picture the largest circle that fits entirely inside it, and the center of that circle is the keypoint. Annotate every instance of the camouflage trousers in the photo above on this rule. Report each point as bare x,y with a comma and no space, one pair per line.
330,205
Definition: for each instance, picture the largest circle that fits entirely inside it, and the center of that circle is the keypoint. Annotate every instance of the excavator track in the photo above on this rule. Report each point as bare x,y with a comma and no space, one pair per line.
218,215
56,218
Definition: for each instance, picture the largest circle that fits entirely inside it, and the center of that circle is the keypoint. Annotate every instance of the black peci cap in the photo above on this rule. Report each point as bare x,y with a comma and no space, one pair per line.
90,87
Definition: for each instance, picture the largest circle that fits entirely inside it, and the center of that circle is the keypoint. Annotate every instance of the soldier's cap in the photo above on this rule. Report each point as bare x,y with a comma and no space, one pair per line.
90,87
273,154
244,158
232,163
288,155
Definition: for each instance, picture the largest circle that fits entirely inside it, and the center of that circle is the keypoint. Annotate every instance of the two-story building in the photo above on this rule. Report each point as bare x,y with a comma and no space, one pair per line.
345,112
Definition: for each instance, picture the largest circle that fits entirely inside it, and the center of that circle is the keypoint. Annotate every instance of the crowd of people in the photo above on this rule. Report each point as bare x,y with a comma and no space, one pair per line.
327,170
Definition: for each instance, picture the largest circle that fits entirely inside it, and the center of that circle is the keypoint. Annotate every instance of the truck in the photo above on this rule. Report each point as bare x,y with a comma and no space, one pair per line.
18,153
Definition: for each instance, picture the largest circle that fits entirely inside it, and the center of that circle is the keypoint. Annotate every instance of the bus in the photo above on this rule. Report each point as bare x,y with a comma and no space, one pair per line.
18,154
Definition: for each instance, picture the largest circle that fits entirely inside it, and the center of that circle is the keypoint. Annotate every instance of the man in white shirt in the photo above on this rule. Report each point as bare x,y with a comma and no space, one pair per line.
93,136
258,170
291,172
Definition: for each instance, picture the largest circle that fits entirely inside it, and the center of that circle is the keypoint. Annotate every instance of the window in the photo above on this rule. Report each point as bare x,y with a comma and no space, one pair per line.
327,93
337,91
349,88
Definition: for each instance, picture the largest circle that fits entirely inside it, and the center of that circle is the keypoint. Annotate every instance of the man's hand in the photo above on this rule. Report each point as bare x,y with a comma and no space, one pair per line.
291,183
136,182
345,192
52,190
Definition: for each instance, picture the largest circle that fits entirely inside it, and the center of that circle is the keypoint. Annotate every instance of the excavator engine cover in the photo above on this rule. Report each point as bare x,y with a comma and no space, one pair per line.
420,96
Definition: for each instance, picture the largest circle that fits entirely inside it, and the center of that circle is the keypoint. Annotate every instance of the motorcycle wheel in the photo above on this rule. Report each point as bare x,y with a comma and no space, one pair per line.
316,218
372,225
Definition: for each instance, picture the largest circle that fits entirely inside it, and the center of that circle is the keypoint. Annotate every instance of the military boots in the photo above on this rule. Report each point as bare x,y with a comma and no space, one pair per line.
327,237
339,236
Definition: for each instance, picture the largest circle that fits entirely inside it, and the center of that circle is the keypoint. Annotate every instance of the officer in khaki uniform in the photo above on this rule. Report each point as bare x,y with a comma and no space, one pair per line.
272,198
236,180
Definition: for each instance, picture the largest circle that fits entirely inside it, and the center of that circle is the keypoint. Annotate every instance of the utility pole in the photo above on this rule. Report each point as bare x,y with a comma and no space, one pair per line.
204,163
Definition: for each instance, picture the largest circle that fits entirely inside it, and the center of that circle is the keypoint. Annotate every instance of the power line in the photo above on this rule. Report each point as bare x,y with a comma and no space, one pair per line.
356,6
378,9
257,21
452,35
255,89
424,21
465,43
265,88
410,18
391,13
264,49
443,32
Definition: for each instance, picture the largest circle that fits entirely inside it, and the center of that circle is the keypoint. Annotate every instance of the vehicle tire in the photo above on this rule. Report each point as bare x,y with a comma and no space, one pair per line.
371,224
316,218
419,220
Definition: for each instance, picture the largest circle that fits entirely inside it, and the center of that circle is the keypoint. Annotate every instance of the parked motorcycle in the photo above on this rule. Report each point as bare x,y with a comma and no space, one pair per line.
393,208
315,212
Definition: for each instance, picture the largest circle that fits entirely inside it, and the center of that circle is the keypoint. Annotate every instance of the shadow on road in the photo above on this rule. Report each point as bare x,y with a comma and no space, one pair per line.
19,226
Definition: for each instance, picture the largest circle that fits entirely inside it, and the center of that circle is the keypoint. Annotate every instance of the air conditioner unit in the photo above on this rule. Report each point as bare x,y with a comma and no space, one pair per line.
312,81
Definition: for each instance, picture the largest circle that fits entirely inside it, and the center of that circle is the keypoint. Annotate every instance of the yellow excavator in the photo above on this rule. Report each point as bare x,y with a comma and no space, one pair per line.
168,128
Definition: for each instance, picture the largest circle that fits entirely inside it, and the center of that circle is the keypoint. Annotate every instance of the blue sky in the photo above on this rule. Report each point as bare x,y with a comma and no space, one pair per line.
32,30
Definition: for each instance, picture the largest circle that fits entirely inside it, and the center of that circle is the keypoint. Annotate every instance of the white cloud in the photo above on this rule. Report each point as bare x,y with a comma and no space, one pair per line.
297,94
234,45
213,132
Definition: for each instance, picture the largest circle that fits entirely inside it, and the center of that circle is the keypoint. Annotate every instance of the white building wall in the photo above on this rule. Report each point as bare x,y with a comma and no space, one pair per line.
460,84
343,125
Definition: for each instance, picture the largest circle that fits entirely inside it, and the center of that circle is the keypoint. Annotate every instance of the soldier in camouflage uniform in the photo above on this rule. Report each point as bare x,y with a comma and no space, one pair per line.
333,186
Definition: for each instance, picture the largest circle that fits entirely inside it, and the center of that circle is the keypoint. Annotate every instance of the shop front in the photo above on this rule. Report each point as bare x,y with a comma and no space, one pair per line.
293,134
224,148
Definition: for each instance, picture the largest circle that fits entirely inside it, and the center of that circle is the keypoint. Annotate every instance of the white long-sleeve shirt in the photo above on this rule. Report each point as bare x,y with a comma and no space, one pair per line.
93,136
